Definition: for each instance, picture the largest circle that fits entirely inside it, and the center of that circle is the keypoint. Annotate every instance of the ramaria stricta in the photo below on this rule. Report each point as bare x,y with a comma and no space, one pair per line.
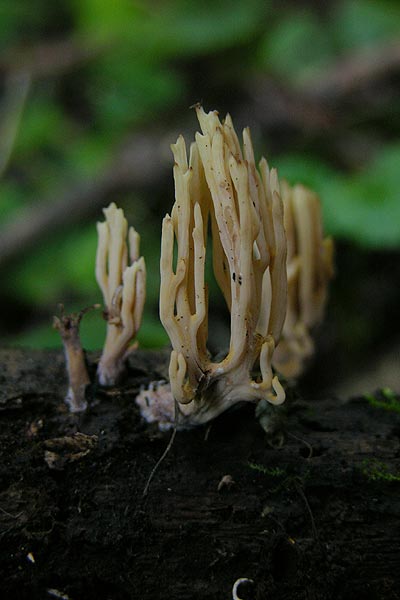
220,183
121,275
270,261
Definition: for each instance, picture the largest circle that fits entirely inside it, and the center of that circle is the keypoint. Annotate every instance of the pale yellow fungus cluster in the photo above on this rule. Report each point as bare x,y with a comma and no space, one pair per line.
269,258
221,183
270,261
309,269
121,275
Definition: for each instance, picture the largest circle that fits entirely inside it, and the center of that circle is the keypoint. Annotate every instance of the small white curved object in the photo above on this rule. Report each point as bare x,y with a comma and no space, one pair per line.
236,585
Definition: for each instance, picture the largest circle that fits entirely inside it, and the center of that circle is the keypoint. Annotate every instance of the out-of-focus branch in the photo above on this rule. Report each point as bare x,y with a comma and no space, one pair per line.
142,161
355,71
313,106
49,58
277,105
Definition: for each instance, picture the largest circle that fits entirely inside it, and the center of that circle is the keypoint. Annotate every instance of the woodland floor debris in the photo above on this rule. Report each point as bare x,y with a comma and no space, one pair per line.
298,524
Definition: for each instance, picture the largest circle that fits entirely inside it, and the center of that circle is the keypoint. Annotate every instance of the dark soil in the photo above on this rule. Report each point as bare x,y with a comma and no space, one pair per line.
316,518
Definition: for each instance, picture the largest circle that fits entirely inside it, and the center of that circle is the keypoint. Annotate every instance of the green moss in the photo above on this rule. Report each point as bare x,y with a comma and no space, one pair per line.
271,471
388,401
375,470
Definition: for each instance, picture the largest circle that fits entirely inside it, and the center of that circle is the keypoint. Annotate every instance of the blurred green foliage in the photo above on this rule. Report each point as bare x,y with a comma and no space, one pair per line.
363,207
149,61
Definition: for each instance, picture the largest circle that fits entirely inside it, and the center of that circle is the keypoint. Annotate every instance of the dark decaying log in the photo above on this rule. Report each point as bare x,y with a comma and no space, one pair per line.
316,518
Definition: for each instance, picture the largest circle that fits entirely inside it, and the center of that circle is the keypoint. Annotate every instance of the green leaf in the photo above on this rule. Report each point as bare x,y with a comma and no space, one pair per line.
203,27
88,154
12,198
43,125
64,265
358,23
363,207
296,46
177,28
130,90
102,20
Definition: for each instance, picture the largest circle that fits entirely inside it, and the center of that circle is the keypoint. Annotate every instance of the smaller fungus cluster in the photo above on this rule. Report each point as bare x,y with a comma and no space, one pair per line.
309,269
121,275
270,261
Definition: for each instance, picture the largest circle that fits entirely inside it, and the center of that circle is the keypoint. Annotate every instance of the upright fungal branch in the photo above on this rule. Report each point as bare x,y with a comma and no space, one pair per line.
78,377
309,267
121,275
220,182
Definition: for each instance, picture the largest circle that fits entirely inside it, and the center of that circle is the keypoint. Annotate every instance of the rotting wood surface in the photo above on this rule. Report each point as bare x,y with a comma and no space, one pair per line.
317,518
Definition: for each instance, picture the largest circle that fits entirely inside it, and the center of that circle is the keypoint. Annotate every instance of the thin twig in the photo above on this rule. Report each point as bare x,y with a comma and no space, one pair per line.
140,162
164,454
354,71
304,497
51,58
10,515
310,448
